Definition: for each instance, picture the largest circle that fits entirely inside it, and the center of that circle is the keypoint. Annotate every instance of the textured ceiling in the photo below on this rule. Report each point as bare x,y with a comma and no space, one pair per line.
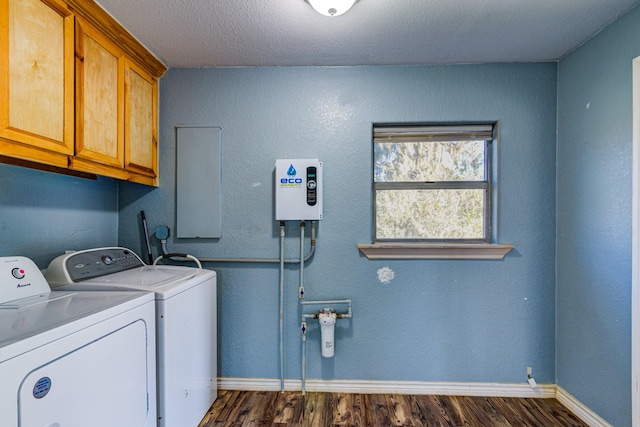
239,33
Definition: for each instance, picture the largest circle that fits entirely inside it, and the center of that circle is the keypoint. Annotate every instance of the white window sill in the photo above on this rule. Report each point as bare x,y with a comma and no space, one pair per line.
434,250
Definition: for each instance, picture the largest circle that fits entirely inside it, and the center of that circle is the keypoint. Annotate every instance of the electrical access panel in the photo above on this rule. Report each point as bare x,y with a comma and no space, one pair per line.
298,189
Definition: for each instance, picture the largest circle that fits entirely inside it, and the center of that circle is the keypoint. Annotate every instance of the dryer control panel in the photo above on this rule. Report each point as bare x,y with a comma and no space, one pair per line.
20,278
82,265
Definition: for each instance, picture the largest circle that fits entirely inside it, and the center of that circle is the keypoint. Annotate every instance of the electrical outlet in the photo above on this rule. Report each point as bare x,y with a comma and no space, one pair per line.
529,371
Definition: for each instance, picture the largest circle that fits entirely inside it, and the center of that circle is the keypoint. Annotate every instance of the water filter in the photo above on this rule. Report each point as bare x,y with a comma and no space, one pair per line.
298,189
327,318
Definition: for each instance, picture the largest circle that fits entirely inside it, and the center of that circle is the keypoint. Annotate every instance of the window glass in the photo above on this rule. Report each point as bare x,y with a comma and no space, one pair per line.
430,214
432,186
429,161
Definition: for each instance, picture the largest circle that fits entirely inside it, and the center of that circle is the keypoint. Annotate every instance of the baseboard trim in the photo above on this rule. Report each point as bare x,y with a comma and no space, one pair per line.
391,387
578,408
420,387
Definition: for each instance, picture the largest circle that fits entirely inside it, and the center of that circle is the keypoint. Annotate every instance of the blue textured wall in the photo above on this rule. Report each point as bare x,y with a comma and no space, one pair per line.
437,320
42,214
594,220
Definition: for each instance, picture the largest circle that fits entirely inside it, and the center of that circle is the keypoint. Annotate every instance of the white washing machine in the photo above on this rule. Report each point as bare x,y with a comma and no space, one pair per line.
73,359
185,322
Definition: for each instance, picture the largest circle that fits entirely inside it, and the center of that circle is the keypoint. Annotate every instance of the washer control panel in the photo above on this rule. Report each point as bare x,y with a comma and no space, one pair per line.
91,263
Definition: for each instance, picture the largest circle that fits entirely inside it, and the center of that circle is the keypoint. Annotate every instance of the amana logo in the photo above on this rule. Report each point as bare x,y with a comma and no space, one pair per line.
23,285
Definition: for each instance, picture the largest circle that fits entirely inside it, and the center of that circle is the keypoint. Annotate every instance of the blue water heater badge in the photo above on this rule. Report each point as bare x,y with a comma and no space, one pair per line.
291,180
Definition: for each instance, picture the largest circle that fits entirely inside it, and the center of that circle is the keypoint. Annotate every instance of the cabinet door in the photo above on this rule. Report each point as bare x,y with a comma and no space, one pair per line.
36,80
99,102
141,121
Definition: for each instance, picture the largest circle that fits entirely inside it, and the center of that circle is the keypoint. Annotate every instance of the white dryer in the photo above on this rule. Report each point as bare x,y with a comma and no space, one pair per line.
185,322
73,359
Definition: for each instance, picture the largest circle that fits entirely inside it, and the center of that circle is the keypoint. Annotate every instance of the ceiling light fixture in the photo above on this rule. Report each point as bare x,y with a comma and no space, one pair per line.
331,7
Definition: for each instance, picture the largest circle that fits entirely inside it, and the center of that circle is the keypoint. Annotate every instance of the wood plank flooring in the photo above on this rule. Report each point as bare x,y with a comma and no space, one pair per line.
272,408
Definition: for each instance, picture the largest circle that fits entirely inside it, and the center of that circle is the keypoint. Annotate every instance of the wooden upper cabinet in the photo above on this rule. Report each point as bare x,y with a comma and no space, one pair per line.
77,91
116,111
36,81
99,103
141,121
136,114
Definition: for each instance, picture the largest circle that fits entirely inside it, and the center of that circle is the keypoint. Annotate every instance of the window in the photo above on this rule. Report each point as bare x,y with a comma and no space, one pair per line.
432,183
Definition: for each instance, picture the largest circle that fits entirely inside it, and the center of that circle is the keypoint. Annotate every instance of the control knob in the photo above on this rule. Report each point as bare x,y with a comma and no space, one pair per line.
18,273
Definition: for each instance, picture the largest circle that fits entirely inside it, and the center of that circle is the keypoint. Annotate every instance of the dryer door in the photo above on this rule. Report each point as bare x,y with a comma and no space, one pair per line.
103,383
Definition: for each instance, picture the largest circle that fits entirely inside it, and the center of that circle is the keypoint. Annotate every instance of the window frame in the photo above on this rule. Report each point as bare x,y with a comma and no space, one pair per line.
439,132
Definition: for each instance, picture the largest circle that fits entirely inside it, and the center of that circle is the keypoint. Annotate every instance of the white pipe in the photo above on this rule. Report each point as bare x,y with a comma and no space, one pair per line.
304,355
301,288
282,306
332,301
347,315
312,251
259,260
304,365
301,295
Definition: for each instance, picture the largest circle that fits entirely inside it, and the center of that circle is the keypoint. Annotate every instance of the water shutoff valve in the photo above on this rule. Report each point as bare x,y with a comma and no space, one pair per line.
327,318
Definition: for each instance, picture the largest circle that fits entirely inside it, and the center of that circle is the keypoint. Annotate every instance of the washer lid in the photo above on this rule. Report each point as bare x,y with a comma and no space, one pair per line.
165,281
149,277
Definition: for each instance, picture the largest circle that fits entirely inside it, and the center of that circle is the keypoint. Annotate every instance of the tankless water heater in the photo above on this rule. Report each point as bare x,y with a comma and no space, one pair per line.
298,189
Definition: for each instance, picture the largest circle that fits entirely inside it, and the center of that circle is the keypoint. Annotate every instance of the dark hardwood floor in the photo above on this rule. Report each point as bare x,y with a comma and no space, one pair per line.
272,408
